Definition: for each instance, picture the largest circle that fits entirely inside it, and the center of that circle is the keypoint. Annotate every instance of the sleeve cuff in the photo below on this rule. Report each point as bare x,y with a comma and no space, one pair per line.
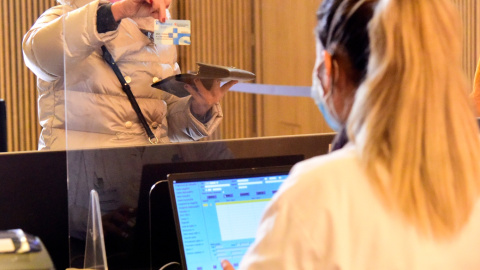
203,118
105,20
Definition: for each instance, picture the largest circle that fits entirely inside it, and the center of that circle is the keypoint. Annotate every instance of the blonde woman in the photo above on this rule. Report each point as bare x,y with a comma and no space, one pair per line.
404,194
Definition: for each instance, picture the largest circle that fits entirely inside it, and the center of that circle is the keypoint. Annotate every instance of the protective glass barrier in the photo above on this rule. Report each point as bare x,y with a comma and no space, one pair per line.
279,43
105,61
139,229
107,131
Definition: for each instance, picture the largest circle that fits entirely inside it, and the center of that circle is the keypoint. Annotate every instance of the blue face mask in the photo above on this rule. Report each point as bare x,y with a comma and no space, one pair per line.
317,95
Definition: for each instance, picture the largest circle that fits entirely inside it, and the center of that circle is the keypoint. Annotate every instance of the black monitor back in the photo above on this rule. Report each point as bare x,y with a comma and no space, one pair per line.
155,204
33,197
3,126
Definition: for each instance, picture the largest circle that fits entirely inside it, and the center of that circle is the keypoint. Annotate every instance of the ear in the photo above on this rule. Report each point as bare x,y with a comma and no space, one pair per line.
328,63
327,58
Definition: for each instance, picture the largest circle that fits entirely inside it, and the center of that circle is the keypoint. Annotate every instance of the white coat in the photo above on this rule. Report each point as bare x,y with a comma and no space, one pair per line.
81,103
327,215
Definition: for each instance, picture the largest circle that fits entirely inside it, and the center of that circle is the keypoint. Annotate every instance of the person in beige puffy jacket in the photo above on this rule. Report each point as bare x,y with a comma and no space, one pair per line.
81,102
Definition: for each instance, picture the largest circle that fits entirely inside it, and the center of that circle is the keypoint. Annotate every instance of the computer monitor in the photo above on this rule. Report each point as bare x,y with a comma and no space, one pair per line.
155,204
217,213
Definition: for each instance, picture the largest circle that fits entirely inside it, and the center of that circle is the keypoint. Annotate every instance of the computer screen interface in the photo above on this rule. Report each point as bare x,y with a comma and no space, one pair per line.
218,218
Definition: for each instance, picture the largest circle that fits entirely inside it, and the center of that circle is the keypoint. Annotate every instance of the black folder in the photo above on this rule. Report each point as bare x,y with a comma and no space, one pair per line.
206,73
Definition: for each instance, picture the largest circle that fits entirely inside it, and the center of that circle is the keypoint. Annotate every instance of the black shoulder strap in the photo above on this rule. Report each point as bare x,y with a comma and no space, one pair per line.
126,88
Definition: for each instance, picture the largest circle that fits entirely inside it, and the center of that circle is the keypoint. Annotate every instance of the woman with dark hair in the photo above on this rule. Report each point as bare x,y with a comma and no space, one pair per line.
343,49
341,66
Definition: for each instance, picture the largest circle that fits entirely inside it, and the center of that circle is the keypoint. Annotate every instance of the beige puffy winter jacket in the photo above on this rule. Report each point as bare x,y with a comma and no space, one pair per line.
81,103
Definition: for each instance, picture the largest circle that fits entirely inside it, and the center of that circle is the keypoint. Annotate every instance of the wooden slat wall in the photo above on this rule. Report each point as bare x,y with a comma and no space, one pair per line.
470,14
222,34
17,83
285,55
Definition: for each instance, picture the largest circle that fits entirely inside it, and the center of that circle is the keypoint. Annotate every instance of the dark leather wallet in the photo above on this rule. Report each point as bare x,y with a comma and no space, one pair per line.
206,73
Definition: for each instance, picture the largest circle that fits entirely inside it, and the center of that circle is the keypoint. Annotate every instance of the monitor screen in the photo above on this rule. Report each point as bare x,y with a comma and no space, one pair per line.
218,213
155,203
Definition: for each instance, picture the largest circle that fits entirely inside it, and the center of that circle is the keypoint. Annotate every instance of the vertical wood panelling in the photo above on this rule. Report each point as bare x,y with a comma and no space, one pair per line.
293,56
222,34
258,49
3,62
284,55
17,83
469,11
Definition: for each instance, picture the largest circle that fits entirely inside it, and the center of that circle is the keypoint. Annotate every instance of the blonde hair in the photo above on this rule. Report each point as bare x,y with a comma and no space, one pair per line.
412,117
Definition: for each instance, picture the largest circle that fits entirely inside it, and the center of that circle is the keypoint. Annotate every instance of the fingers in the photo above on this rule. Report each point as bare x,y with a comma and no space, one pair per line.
192,91
159,8
226,265
214,86
209,96
199,84
203,91
228,85
200,103
163,11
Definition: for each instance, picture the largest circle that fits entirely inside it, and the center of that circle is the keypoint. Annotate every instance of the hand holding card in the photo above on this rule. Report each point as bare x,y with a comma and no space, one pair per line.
140,8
